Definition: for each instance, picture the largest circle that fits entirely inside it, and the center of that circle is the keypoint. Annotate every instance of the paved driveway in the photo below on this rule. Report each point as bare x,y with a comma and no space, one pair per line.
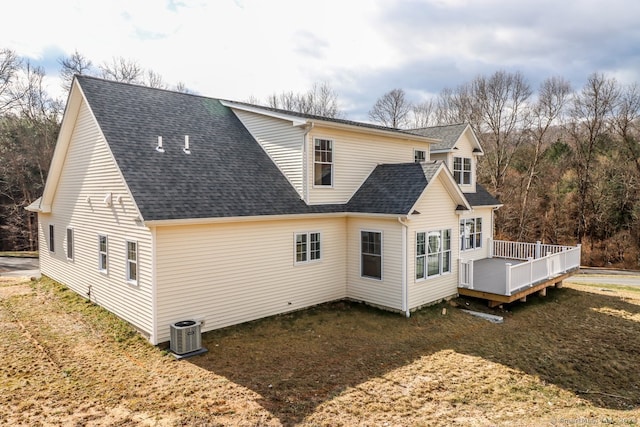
608,279
17,267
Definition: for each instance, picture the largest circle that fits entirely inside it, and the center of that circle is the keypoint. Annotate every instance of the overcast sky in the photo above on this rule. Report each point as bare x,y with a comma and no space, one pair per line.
236,49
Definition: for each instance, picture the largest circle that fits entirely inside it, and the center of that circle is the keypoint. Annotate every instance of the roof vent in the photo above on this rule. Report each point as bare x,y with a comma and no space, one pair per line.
159,148
186,145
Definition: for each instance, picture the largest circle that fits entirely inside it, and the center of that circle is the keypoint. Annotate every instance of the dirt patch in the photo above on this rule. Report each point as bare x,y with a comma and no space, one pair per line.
14,290
568,358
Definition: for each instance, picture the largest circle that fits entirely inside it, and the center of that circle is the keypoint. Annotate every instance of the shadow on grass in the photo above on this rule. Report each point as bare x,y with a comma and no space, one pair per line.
585,343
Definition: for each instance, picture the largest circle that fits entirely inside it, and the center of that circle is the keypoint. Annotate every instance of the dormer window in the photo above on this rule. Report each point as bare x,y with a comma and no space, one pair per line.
462,170
323,162
419,156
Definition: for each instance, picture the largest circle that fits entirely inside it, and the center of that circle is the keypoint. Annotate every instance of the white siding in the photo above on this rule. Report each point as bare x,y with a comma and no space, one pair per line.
90,172
437,213
388,291
226,274
281,141
355,156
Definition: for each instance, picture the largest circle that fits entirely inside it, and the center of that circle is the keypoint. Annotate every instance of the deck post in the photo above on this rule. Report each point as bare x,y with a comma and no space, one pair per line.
470,273
538,249
490,246
530,260
508,280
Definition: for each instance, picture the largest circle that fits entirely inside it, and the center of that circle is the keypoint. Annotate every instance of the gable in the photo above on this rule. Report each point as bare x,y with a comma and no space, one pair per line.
397,188
225,174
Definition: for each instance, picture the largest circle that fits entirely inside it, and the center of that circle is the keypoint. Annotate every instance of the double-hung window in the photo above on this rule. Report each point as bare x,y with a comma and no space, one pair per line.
102,253
419,156
470,233
70,243
462,170
307,247
371,254
433,253
52,247
132,262
323,162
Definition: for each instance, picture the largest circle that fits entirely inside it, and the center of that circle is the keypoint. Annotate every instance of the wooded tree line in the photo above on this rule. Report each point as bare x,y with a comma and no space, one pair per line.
564,161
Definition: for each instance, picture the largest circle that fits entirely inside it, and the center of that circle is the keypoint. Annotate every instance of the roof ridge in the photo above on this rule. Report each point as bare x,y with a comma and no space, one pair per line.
142,86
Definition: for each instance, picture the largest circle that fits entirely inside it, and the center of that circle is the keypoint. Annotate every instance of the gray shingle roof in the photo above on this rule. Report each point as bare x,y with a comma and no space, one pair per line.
328,119
448,134
393,188
226,174
481,197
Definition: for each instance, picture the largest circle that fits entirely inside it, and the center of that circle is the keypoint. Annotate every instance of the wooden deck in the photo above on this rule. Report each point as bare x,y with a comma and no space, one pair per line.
490,277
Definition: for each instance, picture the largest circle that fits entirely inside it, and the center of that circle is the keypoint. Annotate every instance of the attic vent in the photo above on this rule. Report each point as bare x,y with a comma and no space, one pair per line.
159,148
186,145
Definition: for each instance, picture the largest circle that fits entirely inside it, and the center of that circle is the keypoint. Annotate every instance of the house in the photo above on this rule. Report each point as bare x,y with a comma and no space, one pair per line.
163,206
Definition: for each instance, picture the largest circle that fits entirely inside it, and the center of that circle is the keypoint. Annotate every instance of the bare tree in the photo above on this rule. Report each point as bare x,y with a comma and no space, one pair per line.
320,100
498,117
627,122
423,114
153,79
391,109
591,113
72,65
181,87
547,112
122,70
9,67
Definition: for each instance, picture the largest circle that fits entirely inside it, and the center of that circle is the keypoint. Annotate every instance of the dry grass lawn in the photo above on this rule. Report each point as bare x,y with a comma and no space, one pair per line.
571,358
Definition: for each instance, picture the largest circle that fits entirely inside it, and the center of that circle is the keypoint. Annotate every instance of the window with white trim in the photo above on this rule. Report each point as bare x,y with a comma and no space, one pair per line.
307,247
371,254
438,253
323,162
419,156
132,262
51,238
103,247
421,255
462,170
70,243
470,233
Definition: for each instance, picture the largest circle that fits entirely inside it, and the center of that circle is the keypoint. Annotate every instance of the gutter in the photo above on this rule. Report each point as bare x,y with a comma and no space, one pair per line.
405,289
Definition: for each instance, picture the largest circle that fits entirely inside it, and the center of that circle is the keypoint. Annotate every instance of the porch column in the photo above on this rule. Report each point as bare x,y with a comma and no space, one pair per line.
508,279
538,249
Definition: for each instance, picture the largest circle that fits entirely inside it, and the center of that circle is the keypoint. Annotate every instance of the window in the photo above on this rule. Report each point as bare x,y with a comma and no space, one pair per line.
307,247
421,251
419,156
462,170
371,250
132,262
69,243
51,239
102,253
470,233
323,162
433,253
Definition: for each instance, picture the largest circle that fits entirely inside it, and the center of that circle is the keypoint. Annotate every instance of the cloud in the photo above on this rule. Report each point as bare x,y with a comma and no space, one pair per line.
238,48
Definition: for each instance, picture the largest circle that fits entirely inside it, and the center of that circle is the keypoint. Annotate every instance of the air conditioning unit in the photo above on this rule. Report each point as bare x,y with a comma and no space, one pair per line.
185,337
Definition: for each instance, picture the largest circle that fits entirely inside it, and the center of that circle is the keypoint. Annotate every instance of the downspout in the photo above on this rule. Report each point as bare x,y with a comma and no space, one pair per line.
154,288
305,164
405,289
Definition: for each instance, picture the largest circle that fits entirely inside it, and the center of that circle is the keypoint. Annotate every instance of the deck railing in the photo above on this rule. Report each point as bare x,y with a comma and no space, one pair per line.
542,262
536,270
524,251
